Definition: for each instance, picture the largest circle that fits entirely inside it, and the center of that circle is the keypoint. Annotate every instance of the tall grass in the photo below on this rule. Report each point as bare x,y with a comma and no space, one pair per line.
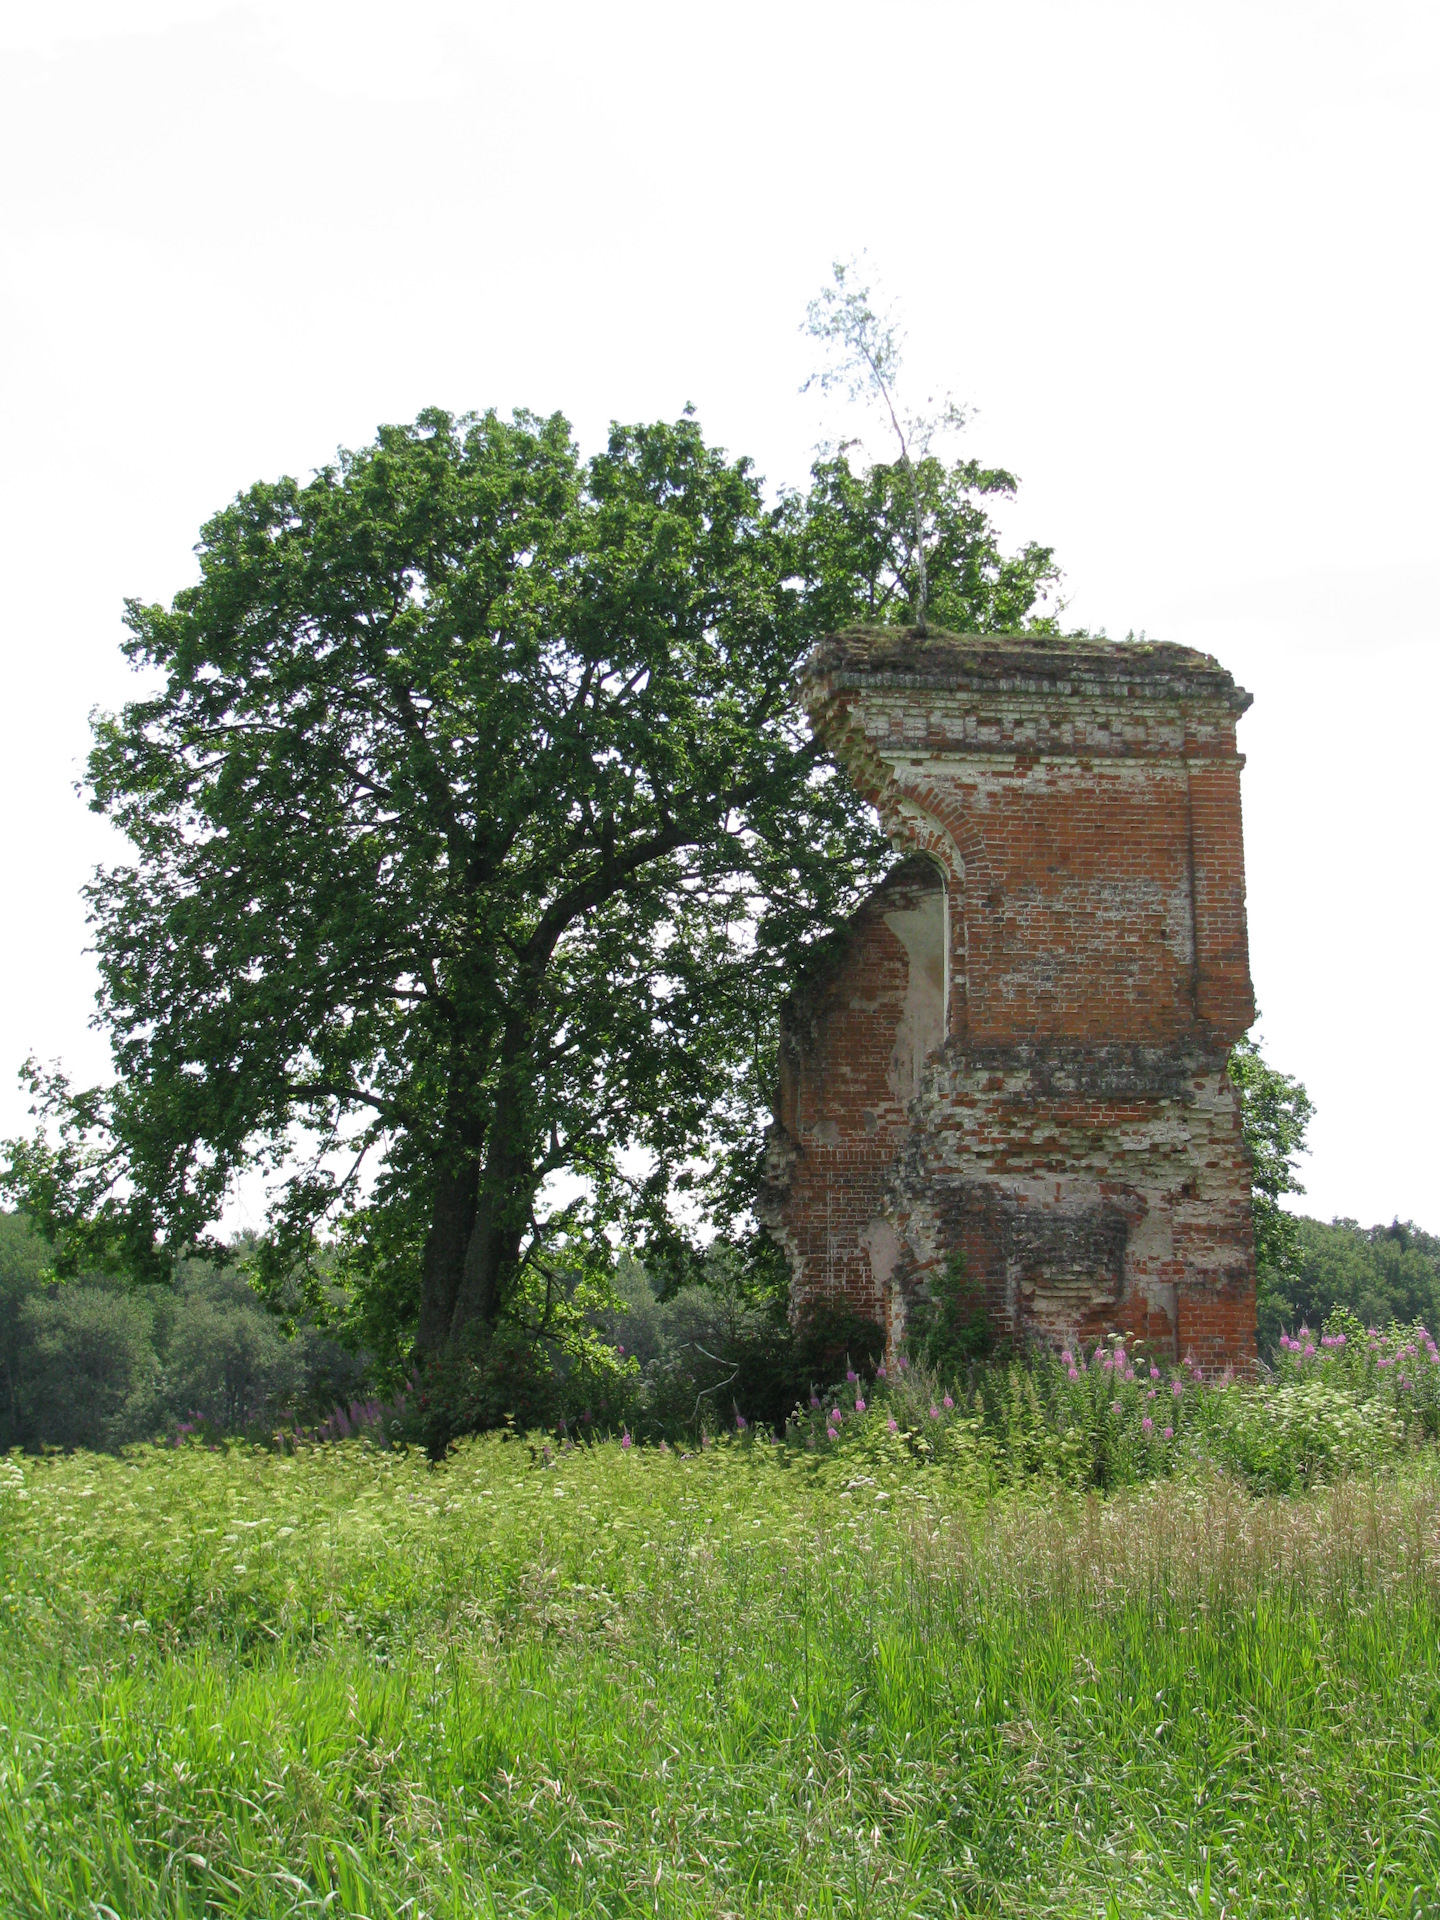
752,1680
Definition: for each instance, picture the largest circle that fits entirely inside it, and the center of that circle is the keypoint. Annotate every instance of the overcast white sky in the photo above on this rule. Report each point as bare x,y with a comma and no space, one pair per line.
1182,258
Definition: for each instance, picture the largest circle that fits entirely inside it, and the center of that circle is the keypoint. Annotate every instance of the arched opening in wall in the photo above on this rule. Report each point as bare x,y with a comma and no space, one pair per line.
918,914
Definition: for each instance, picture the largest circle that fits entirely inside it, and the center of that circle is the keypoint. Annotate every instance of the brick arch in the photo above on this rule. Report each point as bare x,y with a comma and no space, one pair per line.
936,821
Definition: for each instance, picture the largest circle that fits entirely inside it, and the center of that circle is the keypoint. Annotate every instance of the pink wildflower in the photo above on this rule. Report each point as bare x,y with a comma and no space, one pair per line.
625,1440
890,1423
947,1403
833,1433
1169,1433
1074,1373
934,1413
1176,1388
1147,1425
859,1404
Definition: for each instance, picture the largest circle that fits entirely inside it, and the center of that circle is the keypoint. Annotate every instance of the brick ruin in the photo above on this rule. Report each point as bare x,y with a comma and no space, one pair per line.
1017,1051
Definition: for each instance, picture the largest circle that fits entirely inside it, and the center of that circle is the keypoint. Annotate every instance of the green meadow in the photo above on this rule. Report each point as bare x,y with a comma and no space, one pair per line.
749,1680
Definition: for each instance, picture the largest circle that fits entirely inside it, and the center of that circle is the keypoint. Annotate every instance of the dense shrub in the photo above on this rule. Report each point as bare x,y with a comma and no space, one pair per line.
95,1363
88,1372
226,1361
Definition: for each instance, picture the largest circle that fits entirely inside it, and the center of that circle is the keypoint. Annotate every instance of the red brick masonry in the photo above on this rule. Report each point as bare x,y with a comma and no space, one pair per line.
1018,1050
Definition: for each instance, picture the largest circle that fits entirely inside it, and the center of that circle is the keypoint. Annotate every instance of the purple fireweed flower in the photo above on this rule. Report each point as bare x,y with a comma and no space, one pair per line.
947,1403
1304,1332
619,1349
1176,1388
740,1423
1309,1348
904,1363
832,1433
1150,1393
1067,1359
890,1423
851,1375
624,1439
1074,1373
1154,1373
1099,1351
814,1399
835,1415
1169,1433
859,1404
934,1413
1129,1373
1115,1406
880,1373
1147,1425
1107,1363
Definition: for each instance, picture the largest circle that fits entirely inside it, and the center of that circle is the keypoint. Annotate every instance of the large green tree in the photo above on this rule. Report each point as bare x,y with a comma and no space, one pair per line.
475,832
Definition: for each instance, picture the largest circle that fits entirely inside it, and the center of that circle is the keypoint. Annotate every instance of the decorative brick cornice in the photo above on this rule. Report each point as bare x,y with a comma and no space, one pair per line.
881,657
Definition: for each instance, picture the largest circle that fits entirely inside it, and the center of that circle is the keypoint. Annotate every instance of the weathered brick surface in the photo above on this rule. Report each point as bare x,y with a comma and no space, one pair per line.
1019,1051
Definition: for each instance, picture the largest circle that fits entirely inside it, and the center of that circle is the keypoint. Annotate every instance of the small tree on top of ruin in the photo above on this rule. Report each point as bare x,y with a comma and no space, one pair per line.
864,342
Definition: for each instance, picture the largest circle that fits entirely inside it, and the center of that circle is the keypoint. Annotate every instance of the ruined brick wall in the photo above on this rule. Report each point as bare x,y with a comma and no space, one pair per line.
1018,1053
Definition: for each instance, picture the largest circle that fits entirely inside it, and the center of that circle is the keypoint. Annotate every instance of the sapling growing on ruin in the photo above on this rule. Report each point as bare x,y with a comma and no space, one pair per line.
864,344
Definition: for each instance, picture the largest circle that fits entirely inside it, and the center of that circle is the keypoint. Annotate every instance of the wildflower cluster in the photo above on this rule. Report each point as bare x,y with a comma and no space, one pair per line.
1398,1366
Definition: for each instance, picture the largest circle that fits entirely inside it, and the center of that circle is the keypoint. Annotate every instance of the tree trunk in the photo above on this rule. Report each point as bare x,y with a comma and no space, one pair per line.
452,1221
507,1193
